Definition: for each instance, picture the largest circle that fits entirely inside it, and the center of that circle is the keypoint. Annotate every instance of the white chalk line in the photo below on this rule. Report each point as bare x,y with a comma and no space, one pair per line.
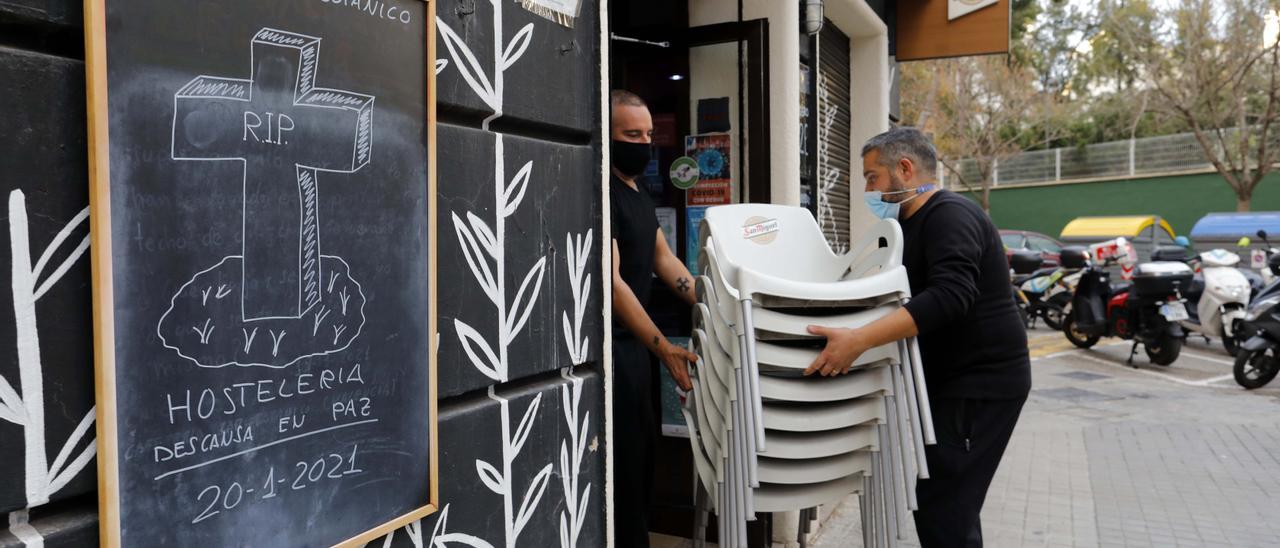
263,446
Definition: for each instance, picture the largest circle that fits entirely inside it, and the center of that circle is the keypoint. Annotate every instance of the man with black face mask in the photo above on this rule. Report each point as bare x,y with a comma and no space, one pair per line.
639,252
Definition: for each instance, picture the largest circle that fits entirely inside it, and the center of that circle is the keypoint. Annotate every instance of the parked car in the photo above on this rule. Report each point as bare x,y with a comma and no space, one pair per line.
1050,249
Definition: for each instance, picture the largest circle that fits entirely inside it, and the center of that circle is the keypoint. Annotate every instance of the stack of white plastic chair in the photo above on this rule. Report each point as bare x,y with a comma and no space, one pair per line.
765,437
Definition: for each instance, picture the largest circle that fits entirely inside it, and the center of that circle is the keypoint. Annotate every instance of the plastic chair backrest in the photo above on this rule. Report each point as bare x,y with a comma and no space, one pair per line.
878,249
782,241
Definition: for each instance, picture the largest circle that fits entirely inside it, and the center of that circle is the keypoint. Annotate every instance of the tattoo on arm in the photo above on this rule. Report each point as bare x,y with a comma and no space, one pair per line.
655,341
683,284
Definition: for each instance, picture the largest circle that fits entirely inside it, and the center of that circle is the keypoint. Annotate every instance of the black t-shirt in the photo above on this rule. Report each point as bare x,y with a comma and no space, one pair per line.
971,340
635,228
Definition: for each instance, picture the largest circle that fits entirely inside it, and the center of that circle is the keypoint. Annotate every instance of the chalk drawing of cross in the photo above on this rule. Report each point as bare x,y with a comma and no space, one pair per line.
283,129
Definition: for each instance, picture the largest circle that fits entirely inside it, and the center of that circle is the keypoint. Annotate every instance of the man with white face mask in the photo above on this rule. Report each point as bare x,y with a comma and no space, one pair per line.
973,345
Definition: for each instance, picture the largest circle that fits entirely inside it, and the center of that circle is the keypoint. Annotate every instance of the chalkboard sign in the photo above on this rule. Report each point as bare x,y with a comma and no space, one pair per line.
263,240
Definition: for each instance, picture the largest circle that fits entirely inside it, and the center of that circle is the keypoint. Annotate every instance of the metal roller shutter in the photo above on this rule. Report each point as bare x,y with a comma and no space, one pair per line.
834,120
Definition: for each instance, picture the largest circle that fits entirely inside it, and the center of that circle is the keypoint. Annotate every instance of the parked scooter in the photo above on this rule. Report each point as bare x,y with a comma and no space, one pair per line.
1217,297
1146,311
1259,358
1042,293
1258,269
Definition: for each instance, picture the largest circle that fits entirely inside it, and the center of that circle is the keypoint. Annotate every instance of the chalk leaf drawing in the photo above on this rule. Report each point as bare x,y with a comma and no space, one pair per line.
27,409
284,130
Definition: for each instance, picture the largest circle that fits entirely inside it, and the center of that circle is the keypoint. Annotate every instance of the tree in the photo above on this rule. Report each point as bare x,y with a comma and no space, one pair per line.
983,108
989,109
1207,66
1050,47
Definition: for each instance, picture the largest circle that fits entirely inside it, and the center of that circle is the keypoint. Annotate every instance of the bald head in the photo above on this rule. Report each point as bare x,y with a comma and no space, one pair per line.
631,121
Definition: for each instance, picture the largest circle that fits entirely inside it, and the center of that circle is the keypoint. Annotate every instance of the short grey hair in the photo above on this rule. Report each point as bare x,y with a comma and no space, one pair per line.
904,142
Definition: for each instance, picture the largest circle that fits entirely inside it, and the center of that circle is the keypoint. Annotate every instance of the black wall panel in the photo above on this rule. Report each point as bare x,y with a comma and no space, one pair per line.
475,510
560,200
43,178
62,13
519,185
553,84
56,526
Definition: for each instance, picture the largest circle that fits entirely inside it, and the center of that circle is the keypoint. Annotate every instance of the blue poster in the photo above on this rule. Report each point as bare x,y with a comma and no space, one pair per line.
672,419
694,216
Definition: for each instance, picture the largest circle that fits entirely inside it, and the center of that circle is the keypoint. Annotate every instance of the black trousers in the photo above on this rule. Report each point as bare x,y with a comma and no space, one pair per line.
635,433
972,436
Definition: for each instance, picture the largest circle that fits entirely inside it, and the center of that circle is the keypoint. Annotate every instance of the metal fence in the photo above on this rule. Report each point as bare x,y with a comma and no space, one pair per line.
1166,154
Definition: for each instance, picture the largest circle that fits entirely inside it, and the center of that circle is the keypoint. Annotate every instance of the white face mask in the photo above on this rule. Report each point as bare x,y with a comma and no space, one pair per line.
889,210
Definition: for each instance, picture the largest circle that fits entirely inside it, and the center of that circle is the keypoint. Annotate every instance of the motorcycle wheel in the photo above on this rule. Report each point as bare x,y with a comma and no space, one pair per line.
1164,350
1077,338
1019,302
1056,311
1254,368
1231,345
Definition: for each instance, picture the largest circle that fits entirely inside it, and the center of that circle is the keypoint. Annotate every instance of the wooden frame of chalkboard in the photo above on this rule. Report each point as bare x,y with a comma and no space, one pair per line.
104,293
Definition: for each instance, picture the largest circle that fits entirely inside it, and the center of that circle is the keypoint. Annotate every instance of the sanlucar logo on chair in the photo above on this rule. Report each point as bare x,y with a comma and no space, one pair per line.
760,230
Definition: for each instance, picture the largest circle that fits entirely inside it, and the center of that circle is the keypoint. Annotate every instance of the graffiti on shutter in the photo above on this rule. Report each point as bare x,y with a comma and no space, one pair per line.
834,119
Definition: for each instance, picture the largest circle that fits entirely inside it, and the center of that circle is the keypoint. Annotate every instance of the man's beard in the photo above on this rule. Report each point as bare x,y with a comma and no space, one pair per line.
895,185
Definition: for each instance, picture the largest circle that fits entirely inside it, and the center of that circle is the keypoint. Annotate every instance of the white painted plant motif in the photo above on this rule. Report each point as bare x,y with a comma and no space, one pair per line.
27,409
572,451
484,249
483,246
577,251
229,314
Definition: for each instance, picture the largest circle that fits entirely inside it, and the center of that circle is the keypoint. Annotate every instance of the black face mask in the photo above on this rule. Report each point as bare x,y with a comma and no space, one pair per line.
629,159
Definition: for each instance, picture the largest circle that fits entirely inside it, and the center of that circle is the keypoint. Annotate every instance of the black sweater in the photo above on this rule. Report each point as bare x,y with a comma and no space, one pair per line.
972,341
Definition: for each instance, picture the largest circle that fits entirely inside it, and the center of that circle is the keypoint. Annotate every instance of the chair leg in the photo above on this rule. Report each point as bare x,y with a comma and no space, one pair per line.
863,499
883,507
873,501
746,462
802,528
913,406
753,372
890,463
902,415
922,393
744,397
700,497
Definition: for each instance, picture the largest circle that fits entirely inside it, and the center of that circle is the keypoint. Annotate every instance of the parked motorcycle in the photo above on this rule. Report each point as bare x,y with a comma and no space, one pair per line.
1041,293
1259,358
1217,297
1146,311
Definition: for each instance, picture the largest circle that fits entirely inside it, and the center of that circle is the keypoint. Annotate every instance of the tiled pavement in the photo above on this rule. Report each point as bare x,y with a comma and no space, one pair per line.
1107,455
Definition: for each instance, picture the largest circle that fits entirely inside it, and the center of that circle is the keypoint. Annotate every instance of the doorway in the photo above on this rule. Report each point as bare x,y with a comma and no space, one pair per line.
707,89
